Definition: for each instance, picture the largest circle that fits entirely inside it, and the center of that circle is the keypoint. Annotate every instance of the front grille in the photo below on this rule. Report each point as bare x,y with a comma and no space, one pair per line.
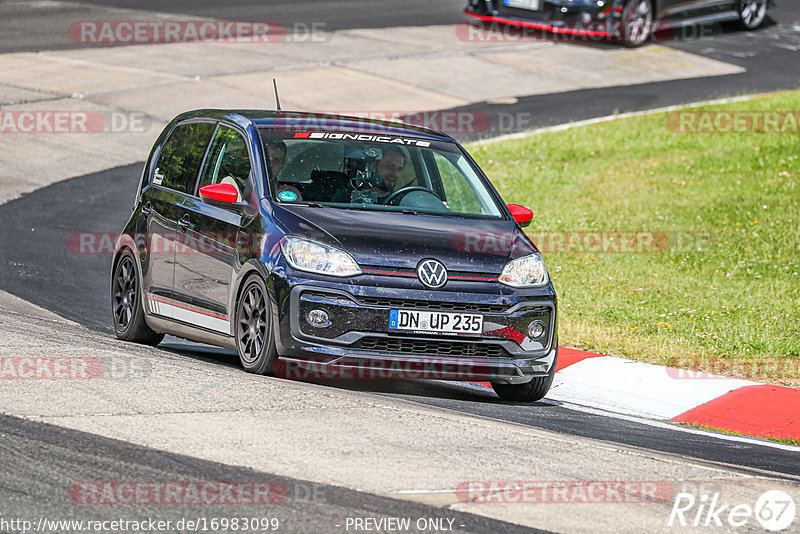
427,305
431,347
545,13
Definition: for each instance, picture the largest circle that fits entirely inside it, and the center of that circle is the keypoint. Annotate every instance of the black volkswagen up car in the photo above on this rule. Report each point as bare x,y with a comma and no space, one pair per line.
334,247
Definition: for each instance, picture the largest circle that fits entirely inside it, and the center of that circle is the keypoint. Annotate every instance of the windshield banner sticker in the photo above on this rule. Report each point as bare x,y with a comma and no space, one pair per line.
361,137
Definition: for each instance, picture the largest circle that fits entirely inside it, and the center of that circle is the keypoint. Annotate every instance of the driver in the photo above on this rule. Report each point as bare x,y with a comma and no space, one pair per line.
389,167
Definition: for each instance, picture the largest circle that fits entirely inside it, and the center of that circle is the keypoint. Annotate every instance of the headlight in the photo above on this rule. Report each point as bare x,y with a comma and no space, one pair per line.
528,271
312,257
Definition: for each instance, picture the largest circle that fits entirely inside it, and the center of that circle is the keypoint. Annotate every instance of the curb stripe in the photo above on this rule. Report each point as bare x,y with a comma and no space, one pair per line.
637,388
567,357
764,411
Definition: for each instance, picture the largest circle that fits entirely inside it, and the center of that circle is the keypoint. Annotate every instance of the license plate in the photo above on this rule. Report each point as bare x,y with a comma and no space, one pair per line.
532,5
431,322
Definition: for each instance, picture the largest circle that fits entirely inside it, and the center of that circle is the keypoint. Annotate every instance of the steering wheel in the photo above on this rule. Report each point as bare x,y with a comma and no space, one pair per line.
404,191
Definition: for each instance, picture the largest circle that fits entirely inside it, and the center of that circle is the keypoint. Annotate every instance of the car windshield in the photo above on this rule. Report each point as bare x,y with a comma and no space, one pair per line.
375,172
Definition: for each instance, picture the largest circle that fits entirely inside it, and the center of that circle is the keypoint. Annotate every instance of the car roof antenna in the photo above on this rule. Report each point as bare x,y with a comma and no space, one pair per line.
277,99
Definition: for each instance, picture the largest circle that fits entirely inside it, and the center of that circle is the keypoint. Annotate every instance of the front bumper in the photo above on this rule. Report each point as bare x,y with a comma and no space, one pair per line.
358,344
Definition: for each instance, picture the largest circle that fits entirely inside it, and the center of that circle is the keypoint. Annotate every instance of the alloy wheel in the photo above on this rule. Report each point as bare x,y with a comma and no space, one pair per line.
252,322
753,12
125,293
638,21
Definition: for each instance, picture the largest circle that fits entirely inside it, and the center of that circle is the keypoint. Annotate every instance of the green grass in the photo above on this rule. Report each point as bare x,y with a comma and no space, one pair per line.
724,295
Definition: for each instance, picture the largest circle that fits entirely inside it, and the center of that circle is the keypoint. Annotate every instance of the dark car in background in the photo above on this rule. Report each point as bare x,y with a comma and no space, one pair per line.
633,22
331,247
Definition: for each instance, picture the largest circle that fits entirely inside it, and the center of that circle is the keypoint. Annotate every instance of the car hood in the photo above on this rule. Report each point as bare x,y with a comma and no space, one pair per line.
401,240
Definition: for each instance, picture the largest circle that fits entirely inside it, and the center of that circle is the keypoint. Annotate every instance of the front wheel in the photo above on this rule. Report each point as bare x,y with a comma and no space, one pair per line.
126,303
532,391
637,20
254,336
752,13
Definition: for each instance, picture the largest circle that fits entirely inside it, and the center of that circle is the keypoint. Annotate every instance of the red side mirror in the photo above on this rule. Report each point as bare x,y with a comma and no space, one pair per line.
521,214
220,192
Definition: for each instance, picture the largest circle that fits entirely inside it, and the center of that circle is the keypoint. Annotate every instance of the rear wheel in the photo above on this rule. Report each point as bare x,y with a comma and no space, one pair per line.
532,391
126,303
752,13
254,336
637,22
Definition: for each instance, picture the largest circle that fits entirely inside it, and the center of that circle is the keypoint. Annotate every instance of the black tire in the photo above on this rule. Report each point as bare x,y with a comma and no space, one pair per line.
638,21
126,303
255,340
751,13
532,391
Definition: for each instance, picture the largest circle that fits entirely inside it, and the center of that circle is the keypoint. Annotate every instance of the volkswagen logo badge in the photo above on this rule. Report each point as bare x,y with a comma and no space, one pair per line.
432,273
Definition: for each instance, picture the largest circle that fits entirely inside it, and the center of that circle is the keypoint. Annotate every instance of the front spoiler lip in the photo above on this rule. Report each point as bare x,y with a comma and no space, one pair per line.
383,366
552,28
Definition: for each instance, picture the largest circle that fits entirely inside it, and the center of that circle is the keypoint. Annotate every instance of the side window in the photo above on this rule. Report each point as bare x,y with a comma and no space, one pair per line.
228,162
461,196
182,155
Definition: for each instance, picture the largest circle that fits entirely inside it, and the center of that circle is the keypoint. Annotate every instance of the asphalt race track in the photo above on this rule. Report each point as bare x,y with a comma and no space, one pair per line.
81,456
769,55
39,29
43,269
42,262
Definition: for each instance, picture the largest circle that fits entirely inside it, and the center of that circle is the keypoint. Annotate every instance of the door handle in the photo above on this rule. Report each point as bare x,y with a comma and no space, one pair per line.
184,222
147,209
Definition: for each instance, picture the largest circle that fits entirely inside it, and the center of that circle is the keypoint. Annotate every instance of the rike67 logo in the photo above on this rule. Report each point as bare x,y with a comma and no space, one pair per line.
774,510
